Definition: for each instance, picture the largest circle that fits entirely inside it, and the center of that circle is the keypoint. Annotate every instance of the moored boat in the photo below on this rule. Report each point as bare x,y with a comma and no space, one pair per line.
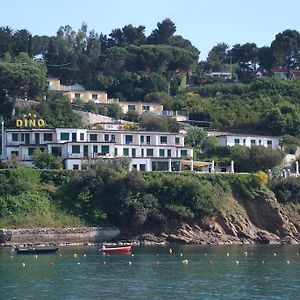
36,250
116,249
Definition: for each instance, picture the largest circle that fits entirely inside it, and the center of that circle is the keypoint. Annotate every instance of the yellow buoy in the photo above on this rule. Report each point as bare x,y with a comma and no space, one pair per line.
185,261
170,251
75,254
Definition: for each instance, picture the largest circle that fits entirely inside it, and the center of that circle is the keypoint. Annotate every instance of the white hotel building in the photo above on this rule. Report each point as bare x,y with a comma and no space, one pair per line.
148,151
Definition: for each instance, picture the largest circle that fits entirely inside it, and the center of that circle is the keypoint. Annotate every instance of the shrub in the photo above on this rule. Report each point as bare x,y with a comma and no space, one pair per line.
261,177
286,189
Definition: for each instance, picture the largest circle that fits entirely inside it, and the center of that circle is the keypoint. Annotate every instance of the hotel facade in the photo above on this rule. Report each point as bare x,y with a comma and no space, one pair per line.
147,151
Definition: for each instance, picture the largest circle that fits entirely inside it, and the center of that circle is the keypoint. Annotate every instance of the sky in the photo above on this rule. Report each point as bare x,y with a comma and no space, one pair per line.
204,22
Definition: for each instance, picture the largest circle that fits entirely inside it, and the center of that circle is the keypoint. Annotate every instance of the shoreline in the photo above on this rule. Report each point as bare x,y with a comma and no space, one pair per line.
97,236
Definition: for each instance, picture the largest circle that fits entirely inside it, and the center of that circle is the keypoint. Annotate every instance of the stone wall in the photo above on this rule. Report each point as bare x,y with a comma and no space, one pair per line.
57,235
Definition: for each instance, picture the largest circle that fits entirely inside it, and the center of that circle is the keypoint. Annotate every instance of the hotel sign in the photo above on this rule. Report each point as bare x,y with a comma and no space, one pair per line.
30,120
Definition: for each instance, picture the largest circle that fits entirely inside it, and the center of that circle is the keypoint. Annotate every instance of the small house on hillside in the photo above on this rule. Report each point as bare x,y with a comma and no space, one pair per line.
248,140
77,91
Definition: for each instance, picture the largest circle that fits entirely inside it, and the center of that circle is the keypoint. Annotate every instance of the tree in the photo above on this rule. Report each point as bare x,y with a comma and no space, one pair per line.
198,138
164,32
266,58
115,111
286,47
22,42
128,35
5,40
218,56
152,122
246,57
21,76
255,158
45,160
57,112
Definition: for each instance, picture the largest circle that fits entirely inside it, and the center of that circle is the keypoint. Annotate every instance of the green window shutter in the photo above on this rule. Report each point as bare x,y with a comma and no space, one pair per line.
162,152
64,136
149,152
126,151
75,149
104,149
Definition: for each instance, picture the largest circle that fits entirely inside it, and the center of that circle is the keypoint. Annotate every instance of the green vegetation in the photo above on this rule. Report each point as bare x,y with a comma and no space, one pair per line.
27,201
108,194
287,190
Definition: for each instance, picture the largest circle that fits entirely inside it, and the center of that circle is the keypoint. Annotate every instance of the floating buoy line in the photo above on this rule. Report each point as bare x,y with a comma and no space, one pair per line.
237,259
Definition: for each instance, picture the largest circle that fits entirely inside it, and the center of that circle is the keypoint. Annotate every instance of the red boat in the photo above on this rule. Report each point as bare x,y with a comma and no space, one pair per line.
116,249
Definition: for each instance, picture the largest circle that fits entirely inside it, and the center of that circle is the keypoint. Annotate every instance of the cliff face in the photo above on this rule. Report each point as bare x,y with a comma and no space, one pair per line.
240,221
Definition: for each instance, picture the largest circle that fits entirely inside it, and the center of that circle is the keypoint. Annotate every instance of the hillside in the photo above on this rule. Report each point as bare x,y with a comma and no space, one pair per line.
154,207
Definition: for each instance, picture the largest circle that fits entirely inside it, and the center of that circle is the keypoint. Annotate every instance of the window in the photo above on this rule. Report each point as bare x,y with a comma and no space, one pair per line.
142,152
56,151
126,151
183,153
142,139
149,152
30,151
131,107
75,149
145,108
77,95
236,141
116,151
93,137
142,167
113,138
95,149
169,152
64,136
15,137
128,139
82,136
133,152
75,167
104,149
163,140
177,140
106,137
48,137
269,143
253,142
161,152
259,142
94,96
148,139
16,153
244,142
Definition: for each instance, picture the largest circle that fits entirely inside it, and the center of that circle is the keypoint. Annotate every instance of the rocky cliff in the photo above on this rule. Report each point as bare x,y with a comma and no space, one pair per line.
240,221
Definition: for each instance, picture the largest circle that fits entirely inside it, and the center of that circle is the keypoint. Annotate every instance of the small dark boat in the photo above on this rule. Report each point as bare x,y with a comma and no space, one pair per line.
36,250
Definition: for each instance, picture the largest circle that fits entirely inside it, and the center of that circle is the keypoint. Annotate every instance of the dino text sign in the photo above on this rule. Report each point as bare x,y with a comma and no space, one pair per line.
30,120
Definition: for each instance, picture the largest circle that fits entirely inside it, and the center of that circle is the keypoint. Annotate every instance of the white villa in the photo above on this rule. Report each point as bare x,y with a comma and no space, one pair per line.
148,151
232,139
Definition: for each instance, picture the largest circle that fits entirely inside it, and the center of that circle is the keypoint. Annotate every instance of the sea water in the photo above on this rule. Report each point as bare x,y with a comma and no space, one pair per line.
154,272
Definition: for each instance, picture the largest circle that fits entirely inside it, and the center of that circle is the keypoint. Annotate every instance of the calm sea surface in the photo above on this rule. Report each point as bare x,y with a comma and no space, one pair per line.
212,272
